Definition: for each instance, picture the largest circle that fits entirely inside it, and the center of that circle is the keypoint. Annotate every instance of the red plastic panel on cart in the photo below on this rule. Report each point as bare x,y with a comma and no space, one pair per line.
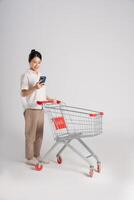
59,122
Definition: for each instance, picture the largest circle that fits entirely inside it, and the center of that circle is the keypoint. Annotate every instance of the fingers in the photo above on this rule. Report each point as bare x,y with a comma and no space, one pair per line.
39,85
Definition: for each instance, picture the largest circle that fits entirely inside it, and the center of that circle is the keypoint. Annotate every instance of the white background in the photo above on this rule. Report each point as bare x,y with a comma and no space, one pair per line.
87,48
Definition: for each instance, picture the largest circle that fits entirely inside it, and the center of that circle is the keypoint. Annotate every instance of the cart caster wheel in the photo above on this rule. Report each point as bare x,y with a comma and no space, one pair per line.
98,168
91,172
59,160
38,167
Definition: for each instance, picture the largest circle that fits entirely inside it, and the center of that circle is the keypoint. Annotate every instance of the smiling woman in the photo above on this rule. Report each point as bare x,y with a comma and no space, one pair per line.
35,59
32,90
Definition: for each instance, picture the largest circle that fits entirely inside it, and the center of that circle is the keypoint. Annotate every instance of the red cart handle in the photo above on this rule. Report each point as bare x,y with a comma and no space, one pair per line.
48,101
94,114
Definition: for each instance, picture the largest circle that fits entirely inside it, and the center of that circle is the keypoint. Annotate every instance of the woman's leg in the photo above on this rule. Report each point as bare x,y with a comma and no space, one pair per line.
31,121
39,134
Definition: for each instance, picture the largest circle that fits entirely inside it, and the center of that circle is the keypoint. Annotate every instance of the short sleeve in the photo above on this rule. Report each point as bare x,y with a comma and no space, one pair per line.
24,82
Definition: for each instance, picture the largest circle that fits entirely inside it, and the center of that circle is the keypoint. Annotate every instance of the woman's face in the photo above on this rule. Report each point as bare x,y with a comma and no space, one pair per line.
35,64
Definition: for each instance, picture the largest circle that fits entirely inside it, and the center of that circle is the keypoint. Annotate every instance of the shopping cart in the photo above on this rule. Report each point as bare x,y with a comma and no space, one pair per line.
69,123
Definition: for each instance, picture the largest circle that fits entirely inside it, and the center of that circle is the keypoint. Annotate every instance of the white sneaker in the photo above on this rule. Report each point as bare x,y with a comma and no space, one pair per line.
32,161
40,159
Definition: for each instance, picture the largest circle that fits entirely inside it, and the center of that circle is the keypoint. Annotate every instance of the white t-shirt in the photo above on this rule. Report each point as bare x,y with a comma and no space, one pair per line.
28,80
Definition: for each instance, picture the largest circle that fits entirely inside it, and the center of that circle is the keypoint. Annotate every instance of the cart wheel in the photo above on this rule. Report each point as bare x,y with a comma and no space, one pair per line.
91,172
38,167
59,160
98,168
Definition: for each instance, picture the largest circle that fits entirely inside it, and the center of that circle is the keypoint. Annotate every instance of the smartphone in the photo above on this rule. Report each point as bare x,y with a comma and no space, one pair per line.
42,79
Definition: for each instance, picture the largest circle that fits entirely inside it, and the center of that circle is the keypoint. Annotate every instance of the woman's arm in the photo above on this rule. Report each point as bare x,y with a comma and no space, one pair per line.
25,93
29,91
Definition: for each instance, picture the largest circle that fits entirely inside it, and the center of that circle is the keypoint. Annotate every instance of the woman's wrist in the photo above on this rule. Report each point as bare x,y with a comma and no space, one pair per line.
34,88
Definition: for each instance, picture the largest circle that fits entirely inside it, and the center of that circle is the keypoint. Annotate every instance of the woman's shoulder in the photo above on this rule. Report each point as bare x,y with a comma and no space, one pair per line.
24,74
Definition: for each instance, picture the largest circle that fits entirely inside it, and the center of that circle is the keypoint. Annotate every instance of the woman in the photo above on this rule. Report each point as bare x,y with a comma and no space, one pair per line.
32,91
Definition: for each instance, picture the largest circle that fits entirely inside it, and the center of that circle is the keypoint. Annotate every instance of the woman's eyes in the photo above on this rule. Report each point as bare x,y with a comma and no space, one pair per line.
37,63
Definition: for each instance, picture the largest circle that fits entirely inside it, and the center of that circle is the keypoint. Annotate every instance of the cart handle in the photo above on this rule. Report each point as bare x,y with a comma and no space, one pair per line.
94,114
48,101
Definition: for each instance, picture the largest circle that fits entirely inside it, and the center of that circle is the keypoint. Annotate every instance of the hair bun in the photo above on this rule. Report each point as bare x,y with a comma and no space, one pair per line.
33,50
33,54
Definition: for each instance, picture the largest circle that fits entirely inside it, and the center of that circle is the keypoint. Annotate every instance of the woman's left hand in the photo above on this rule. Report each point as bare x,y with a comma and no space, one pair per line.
51,99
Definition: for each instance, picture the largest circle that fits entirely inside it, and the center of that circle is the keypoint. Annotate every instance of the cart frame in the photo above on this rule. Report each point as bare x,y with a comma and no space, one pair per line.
95,119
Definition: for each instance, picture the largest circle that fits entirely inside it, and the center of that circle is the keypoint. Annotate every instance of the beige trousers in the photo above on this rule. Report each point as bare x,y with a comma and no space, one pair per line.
34,125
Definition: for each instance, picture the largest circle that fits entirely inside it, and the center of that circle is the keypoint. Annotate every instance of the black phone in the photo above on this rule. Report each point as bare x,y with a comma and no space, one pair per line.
42,79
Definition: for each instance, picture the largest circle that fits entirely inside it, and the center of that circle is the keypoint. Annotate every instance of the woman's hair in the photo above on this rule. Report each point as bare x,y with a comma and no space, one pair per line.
34,54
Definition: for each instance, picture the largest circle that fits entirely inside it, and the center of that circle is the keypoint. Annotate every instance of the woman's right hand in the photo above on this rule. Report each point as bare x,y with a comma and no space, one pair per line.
38,85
